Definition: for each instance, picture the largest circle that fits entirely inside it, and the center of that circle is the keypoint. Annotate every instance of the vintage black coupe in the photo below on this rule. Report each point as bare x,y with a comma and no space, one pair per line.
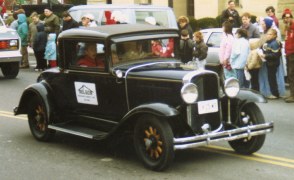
136,84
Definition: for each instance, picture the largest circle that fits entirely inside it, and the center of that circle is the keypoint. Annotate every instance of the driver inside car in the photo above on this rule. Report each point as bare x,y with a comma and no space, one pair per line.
91,59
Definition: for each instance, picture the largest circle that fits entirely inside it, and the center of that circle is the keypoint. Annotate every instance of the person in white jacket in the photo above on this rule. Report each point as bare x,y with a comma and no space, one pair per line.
239,56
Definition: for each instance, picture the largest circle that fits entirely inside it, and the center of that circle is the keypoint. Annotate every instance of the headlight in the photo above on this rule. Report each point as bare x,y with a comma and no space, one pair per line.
232,87
189,93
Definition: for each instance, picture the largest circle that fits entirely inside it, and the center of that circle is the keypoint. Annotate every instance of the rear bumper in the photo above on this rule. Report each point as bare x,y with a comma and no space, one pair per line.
10,56
229,135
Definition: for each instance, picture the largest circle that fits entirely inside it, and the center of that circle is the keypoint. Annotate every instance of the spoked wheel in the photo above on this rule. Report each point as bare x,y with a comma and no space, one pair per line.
252,115
38,120
153,141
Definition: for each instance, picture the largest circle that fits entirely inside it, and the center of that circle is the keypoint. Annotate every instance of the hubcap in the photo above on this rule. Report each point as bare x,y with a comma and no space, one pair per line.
153,143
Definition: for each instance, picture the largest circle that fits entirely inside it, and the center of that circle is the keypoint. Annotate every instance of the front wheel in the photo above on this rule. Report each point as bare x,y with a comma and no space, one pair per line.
153,141
249,145
38,120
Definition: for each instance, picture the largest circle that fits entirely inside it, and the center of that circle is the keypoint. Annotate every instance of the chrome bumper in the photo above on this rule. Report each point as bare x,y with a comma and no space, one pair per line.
229,135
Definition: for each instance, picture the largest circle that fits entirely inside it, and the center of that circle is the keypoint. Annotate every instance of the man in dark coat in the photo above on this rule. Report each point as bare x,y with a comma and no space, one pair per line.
52,24
68,21
231,15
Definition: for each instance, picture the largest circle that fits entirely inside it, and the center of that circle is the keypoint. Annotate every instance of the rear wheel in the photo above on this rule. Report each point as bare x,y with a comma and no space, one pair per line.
249,145
153,141
38,120
10,70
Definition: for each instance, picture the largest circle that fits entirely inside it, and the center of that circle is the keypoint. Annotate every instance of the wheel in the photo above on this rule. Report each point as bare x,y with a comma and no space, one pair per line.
38,120
249,145
153,141
10,70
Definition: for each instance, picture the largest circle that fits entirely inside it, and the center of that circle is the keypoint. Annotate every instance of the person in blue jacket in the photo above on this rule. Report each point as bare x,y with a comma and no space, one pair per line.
23,31
50,51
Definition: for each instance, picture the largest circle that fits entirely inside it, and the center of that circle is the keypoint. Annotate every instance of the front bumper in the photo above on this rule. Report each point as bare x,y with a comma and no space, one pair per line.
228,135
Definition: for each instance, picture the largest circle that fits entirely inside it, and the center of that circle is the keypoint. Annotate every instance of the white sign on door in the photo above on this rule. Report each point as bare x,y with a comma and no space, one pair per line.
86,93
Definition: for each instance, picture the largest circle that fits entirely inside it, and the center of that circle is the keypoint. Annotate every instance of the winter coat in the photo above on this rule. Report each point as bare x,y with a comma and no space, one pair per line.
225,47
52,24
200,50
235,15
186,50
253,60
253,31
40,39
69,24
50,51
32,32
272,51
188,28
289,40
23,29
239,53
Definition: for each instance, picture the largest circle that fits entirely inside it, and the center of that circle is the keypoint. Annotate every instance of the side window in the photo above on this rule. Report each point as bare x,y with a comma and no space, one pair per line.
85,55
214,40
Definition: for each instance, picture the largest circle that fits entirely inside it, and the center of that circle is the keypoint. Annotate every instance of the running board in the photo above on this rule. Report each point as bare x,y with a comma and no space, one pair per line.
79,131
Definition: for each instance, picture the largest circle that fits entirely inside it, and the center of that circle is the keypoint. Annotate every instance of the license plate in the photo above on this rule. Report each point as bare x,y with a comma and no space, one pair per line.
209,106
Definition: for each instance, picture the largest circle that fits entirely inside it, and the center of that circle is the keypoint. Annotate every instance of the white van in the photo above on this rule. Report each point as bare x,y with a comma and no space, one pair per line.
107,14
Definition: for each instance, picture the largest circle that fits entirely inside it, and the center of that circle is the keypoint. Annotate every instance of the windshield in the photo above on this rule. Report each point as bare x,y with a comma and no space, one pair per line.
152,49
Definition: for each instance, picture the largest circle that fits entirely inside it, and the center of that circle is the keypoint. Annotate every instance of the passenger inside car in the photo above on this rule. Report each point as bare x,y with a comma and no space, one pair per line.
91,58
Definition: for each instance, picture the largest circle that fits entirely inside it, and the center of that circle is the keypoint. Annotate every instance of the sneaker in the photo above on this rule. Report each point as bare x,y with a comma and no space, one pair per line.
272,97
289,99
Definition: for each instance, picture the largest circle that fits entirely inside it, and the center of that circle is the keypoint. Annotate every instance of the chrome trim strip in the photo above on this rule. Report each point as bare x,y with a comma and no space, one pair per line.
136,67
189,115
229,135
71,132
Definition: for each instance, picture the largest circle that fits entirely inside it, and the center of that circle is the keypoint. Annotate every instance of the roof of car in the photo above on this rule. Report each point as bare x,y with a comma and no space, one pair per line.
116,6
119,29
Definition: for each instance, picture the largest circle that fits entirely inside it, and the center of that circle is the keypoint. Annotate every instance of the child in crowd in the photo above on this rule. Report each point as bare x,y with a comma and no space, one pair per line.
186,47
271,53
50,51
200,50
39,46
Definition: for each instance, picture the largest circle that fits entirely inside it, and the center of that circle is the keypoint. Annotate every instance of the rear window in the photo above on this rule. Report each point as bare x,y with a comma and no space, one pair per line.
161,17
214,39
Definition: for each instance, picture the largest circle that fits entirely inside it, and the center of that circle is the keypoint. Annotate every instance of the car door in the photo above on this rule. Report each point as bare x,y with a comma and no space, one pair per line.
213,42
93,93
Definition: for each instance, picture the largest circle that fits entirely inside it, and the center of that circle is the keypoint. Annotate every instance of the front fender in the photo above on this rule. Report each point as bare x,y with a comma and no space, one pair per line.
251,96
157,109
37,89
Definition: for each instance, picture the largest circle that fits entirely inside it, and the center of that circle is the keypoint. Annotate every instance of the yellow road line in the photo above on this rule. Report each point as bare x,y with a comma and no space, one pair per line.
11,115
285,162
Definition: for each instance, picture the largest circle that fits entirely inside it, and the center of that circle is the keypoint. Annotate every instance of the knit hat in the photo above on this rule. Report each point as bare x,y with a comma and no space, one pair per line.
268,22
90,16
48,8
287,13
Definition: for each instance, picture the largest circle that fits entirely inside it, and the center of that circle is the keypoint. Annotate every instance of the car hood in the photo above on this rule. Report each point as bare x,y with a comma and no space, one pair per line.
7,33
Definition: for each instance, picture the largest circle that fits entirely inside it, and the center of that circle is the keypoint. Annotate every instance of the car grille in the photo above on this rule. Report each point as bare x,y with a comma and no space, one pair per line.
208,89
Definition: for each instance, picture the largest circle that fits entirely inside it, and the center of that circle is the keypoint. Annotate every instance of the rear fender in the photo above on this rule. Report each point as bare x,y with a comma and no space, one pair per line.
38,89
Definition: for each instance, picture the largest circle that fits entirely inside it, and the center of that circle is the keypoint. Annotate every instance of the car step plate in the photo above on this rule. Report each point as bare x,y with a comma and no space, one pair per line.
79,131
